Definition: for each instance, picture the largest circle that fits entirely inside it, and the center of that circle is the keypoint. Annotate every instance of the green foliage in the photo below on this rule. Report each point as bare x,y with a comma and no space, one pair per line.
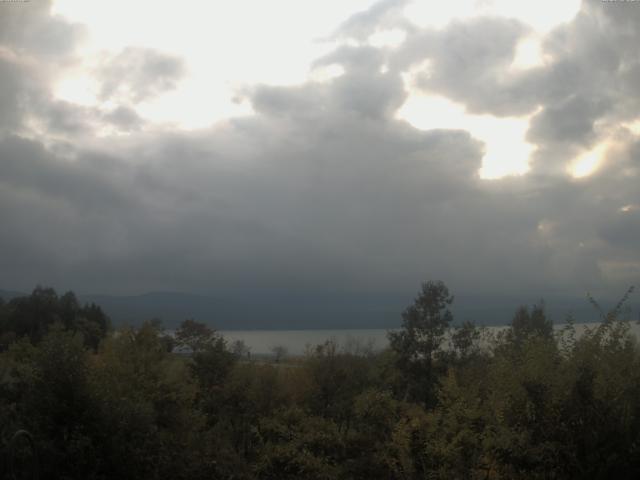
335,379
299,446
416,345
530,323
32,317
145,398
195,336
465,342
211,361
531,404
454,447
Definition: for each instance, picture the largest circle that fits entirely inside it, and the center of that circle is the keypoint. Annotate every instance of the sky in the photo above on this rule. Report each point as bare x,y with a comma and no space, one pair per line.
346,146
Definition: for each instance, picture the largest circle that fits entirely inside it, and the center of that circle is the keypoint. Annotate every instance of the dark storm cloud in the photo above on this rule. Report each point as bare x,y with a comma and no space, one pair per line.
323,189
137,74
81,185
623,229
338,202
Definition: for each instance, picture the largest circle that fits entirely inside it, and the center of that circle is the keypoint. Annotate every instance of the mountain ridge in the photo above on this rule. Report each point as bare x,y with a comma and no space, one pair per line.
308,312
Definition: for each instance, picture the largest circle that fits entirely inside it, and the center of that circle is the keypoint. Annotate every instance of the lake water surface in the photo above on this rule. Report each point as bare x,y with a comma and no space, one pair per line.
261,342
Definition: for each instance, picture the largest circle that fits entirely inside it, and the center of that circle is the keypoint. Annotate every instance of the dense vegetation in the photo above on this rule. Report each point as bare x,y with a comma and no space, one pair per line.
441,402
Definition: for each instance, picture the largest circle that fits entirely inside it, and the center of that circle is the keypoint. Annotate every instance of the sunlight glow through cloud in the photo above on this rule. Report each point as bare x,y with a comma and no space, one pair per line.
634,127
80,88
507,152
528,53
248,145
589,162
251,43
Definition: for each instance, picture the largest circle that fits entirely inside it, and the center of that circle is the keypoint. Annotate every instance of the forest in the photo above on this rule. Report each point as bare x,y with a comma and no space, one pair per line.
443,401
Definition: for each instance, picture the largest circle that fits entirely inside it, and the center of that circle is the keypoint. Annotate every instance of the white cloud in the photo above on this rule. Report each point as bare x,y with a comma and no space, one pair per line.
225,46
387,38
542,15
439,13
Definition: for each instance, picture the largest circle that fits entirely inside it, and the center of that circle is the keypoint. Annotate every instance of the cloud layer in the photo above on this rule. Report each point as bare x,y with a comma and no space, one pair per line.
323,189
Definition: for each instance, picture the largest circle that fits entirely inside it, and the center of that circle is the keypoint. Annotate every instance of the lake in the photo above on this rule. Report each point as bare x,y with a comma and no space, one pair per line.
260,342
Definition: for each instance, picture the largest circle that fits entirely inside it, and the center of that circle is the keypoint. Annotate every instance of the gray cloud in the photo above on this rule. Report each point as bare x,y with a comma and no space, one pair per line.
29,28
324,190
36,48
137,74
622,229
588,85
468,63
11,93
123,118
571,121
383,14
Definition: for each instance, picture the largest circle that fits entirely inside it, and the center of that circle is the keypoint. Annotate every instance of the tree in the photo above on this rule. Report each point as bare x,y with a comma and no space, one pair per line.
145,397
279,352
195,336
210,362
240,349
334,380
93,323
424,324
59,406
465,340
32,316
526,324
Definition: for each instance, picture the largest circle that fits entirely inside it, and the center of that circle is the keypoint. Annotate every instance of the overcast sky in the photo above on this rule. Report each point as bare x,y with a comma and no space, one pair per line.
338,146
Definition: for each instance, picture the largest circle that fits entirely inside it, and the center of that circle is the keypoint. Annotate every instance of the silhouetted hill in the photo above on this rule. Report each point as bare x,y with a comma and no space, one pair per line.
254,312
260,310
9,294
314,311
